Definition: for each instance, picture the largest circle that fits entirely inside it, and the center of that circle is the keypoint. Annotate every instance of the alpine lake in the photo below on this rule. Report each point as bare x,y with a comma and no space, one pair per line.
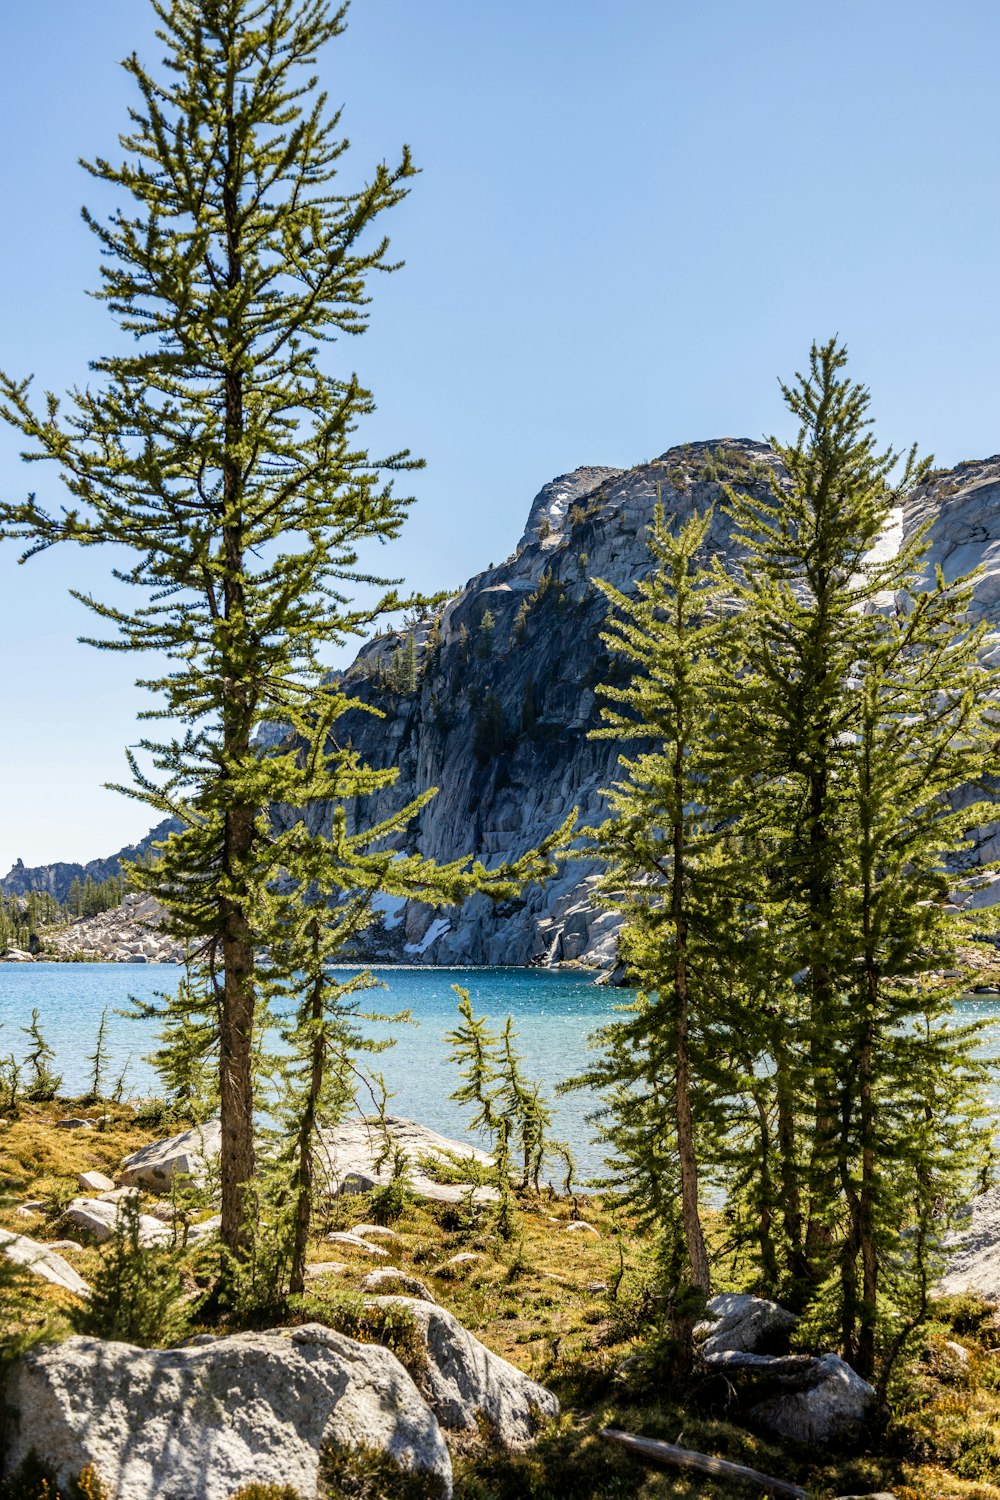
554,1013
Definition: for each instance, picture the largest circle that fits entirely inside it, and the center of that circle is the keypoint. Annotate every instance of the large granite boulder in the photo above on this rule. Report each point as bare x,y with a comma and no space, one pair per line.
832,1409
42,1260
188,1154
202,1421
742,1323
973,1251
351,1154
468,1385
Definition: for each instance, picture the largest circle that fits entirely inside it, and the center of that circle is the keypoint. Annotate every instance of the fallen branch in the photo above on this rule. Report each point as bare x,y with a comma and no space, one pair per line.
685,1458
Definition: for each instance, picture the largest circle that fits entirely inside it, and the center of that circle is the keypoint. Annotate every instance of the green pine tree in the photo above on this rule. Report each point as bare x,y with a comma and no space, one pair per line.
222,454
660,844
857,706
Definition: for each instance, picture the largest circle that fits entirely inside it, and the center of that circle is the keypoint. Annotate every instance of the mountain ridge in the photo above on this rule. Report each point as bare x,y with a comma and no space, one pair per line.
493,700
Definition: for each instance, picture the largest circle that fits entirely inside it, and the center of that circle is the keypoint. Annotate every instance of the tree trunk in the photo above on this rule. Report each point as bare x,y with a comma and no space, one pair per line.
788,1168
303,1185
237,941
823,1155
690,1209
866,1214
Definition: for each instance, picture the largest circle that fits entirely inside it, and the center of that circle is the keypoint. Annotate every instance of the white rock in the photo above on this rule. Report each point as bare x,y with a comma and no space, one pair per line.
390,1280
973,1251
374,1232
95,1182
577,1226
350,1152
202,1421
328,1268
355,1242
43,1260
741,1323
189,1153
99,1219
206,1227
467,1383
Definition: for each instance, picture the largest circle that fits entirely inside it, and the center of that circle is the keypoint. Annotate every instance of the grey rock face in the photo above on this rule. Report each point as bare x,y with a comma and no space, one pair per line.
740,1323
832,1409
468,1383
500,717
188,1154
973,1251
98,1217
177,1423
42,1260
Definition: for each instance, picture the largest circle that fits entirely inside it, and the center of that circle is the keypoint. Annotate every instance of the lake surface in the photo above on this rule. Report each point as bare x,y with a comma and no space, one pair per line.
554,1013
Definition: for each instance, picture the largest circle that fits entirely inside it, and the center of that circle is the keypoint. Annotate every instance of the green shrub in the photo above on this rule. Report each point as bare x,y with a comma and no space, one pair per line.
978,1455
137,1293
265,1492
34,1480
385,1323
363,1473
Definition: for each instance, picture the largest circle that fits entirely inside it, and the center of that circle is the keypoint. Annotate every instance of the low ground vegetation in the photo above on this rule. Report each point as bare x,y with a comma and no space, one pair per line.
582,1313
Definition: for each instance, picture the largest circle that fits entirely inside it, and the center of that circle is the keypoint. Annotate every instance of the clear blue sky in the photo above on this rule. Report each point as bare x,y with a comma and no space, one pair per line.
631,219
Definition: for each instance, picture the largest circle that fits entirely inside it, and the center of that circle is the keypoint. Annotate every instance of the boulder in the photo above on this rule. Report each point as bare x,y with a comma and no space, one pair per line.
832,1408
389,1279
577,1226
94,1182
742,1323
374,1232
171,1424
73,1123
42,1260
328,1268
468,1385
99,1220
973,1251
188,1154
355,1242
351,1150
205,1228
348,1152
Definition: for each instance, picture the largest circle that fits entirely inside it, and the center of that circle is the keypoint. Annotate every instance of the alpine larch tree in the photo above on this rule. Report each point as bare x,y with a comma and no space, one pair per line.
220,454
780,854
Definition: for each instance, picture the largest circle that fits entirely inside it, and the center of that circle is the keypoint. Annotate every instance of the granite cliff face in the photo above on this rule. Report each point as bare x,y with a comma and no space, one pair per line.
504,698
493,703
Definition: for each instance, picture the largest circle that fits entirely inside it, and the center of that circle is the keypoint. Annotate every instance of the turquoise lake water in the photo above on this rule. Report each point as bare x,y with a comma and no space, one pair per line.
553,1012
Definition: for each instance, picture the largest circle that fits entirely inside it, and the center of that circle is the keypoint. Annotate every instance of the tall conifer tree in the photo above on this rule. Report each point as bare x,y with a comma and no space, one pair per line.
660,844
221,454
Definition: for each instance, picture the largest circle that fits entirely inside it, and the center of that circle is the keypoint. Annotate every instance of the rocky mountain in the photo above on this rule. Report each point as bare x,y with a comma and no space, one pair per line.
494,705
493,702
56,879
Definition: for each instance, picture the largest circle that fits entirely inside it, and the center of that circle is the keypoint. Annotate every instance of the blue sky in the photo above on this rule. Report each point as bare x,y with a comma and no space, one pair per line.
630,220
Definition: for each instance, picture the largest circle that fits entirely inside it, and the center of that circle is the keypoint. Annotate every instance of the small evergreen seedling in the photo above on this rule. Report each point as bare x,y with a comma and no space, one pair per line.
137,1293
42,1083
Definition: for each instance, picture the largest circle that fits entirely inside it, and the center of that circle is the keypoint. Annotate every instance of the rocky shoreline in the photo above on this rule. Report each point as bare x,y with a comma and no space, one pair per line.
132,933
